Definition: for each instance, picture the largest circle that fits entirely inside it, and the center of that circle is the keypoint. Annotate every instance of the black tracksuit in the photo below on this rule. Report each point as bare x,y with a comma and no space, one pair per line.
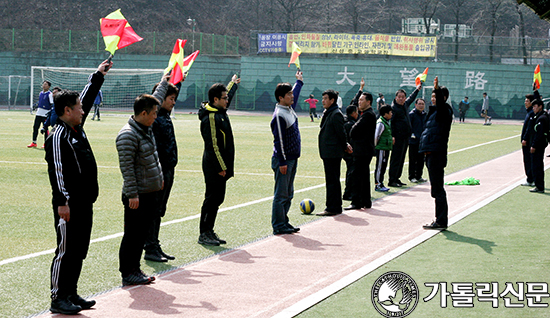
218,156
73,176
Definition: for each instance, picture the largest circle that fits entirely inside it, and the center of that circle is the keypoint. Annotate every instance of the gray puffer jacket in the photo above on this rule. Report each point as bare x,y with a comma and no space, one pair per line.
139,160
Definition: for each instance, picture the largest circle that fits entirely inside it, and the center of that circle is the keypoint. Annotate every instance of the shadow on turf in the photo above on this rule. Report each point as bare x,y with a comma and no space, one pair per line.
487,246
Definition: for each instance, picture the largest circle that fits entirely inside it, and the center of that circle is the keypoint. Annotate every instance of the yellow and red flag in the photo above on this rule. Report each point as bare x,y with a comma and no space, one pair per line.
189,60
117,32
176,62
537,79
295,57
421,77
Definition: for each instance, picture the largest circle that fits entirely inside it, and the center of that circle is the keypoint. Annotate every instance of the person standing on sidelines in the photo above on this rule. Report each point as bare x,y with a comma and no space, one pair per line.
383,143
332,145
527,138
539,144
45,103
312,107
434,144
351,119
218,158
142,182
416,159
286,151
362,141
401,130
167,149
72,170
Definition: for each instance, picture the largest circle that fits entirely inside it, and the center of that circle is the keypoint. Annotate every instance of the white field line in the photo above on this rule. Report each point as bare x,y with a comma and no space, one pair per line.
116,235
330,290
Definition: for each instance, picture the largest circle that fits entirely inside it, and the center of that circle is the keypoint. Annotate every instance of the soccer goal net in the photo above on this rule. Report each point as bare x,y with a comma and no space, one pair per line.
120,88
14,91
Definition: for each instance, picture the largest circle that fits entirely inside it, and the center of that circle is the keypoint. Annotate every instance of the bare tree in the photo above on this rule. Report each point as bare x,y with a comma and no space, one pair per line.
493,9
522,33
456,8
427,10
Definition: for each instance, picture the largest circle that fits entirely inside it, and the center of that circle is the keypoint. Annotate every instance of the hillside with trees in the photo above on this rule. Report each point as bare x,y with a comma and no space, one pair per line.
239,17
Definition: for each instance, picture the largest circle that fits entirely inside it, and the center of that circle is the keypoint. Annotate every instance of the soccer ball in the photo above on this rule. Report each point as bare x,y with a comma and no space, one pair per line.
307,206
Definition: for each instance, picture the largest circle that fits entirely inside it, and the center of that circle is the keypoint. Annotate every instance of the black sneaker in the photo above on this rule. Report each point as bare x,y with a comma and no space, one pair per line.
536,190
79,301
293,228
205,239
215,236
64,306
283,231
136,278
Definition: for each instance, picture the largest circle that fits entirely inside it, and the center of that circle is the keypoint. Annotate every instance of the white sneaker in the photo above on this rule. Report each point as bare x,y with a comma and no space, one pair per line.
413,180
528,184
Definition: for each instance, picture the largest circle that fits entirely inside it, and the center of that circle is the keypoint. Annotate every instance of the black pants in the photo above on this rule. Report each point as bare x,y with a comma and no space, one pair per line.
213,198
537,163
333,186
349,183
152,242
436,163
397,159
527,163
416,162
73,240
37,121
461,116
361,181
381,165
136,226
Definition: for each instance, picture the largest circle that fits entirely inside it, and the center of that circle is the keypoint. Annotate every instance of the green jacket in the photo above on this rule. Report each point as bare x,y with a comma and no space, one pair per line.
383,135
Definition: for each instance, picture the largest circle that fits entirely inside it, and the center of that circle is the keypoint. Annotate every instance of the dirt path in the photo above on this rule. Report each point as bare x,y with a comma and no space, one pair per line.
265,277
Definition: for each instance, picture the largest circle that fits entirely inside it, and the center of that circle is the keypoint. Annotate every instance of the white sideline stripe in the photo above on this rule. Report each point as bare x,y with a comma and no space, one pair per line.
328,291
112,236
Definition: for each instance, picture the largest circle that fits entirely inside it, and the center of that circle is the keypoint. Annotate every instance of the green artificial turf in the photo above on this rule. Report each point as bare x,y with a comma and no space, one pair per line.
27,225
505,241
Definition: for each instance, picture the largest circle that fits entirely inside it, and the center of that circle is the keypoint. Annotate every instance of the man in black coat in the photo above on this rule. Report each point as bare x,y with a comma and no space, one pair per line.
401,131
539,144
362,140
527,138
351,119
332,145
434,143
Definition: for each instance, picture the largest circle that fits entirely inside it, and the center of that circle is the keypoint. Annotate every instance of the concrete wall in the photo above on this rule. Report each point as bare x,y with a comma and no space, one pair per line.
506,85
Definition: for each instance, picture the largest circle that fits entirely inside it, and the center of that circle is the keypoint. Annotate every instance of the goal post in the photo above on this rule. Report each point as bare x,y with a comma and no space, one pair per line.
120,88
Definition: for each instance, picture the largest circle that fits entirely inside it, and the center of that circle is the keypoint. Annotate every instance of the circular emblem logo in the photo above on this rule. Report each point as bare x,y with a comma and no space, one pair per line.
394,294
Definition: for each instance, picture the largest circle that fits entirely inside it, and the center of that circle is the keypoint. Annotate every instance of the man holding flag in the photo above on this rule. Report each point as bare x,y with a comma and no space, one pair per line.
401,130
